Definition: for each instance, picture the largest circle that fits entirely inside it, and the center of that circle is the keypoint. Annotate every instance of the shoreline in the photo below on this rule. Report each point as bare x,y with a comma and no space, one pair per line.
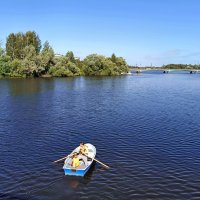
49,76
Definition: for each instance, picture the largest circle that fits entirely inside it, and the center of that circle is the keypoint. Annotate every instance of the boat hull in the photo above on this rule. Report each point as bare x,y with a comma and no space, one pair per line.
76,172
84,167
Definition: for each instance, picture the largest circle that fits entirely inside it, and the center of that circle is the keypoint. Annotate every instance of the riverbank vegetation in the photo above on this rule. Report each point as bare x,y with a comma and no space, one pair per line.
25,56
168,67
181,66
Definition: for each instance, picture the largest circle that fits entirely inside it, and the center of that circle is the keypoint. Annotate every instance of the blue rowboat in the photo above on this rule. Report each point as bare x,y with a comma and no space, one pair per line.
82,169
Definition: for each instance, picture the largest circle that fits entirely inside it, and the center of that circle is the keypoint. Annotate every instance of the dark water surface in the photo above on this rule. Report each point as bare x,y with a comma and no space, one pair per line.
146,127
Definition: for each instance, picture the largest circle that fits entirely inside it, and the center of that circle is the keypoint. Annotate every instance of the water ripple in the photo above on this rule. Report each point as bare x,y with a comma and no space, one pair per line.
145,127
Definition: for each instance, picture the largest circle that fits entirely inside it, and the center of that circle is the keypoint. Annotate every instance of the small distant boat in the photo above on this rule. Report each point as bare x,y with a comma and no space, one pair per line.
166,71
138,71
194,71
82,169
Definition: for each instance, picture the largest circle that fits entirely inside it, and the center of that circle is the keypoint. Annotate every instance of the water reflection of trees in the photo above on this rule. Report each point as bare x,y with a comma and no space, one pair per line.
29,86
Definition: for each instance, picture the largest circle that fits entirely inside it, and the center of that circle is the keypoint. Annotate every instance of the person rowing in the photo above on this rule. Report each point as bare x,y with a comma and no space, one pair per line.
83,148
83,152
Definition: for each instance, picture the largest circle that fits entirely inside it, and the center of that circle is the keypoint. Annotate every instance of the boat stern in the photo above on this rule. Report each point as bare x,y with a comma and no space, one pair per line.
74,172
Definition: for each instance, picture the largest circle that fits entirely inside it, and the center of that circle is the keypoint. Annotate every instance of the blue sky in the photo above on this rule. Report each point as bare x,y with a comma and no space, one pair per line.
144,32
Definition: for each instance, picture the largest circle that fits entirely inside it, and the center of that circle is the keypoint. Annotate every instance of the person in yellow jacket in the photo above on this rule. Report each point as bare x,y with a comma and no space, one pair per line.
75,161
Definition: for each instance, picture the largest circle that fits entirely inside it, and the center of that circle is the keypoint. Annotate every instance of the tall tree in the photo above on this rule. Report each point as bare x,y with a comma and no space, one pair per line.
46,47
113,58
19,45
11,46
70,56
30,65
31,38
16,43
47,56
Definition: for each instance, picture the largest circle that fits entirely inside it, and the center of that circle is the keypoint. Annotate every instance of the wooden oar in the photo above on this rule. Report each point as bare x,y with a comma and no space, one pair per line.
101,163
62,158
98,161
85,155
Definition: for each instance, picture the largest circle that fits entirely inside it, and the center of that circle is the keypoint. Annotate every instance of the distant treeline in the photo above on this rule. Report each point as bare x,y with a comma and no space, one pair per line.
180,66
169,66
25,56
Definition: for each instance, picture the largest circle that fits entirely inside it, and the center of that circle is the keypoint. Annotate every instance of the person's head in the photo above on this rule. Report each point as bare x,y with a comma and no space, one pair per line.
82,144
75,155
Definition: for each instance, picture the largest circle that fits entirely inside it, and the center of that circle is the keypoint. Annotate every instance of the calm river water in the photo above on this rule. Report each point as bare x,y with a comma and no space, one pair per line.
146,127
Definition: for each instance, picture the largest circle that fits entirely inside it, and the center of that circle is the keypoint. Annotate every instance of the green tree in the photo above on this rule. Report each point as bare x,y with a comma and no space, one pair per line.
15,44
31,38
64,67
5,65
95,65
16,68
23,57
113,58
70,56
31,64
47,57
11,46
19,45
